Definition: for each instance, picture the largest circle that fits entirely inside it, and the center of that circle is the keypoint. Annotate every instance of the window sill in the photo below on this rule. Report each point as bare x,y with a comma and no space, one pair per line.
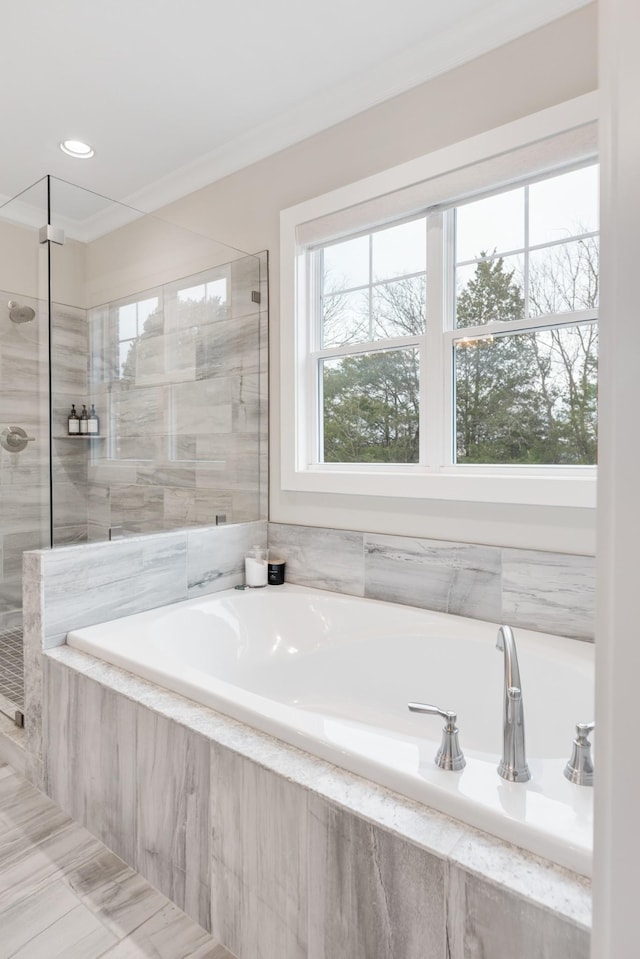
550,489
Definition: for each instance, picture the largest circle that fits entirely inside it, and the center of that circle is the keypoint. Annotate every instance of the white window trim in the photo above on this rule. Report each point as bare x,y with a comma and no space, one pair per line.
541,486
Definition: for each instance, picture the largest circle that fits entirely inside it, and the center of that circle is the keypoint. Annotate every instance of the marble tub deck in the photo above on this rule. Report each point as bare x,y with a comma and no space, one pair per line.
64,895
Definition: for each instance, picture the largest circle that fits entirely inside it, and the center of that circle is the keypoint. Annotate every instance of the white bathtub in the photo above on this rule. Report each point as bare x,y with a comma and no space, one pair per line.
333,675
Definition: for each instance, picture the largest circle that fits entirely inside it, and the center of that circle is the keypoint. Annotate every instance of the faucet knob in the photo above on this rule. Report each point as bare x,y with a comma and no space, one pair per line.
579,769
449,756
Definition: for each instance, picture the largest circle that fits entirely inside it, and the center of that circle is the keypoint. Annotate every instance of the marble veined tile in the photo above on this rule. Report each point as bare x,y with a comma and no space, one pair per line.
50,923
229,347
197,507
488,920
77,934
123,899
523,874
259,865
140,412
20,365
324,558
448,577
549,592
215,556
169,934
374,896
30,870
166,476
25,818
101,581
90,756
203,406
172,834
248,404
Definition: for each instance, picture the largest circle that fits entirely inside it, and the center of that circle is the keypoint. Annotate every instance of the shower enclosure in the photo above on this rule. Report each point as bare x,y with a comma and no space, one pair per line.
163,332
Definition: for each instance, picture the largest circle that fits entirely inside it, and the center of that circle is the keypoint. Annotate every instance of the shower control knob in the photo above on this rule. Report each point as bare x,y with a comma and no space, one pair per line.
14,439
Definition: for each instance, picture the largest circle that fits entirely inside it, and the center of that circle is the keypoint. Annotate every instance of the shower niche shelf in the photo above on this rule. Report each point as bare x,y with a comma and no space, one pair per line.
78,436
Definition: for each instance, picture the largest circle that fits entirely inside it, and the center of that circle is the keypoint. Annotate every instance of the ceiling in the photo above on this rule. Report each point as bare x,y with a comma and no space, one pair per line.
173,96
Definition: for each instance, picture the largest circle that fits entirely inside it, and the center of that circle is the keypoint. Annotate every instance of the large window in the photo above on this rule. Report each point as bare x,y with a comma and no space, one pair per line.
440,333
512,321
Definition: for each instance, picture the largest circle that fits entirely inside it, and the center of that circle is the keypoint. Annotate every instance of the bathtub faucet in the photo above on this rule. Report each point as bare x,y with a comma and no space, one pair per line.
513,763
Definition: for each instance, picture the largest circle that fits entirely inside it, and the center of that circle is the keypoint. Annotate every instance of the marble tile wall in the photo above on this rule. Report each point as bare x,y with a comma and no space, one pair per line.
69,384
549,592
281,854
183,405
24,476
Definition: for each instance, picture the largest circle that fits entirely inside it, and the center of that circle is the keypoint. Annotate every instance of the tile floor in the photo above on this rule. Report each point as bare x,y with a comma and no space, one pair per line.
12,666
63,895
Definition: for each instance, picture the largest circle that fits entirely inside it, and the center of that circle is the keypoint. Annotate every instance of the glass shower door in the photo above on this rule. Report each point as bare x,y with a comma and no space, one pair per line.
24,420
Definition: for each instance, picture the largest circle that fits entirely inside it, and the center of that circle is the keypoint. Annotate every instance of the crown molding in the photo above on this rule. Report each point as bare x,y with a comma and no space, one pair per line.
494,26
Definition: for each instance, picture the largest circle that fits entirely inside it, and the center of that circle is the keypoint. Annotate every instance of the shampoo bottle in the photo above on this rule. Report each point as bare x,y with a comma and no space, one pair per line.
73,421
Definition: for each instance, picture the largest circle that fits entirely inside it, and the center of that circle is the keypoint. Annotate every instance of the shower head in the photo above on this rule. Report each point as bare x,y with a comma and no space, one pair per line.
20,314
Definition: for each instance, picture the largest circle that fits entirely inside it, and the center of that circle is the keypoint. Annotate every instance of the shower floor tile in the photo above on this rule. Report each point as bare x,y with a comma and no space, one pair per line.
12,666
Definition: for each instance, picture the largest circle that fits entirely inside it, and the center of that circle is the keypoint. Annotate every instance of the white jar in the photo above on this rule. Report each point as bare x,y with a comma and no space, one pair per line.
255,566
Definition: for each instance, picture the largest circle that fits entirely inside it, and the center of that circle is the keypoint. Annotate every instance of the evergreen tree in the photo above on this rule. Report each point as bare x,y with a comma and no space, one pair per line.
521,398
497,403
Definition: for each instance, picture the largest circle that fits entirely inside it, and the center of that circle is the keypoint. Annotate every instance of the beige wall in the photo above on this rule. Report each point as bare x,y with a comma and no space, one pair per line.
548,66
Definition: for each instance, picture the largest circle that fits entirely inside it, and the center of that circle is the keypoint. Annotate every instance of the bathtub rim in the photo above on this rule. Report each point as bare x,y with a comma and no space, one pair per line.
576,857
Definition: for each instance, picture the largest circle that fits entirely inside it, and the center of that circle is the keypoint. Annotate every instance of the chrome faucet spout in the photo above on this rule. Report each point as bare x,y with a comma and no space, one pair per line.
513,763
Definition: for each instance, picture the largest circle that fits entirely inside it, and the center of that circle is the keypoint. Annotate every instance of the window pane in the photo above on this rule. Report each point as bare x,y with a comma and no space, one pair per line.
492,225
490,290
146,309
399,307
564,277
127,363
346,264
564,206
127,321
370,407
192,293
400,250
217,290
527,398
345,318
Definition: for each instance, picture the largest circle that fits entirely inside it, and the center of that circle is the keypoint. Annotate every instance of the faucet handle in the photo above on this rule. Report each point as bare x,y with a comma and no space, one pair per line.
579,769
449,756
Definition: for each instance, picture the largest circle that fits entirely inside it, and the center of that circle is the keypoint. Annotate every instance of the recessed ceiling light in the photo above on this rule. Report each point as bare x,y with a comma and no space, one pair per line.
77,149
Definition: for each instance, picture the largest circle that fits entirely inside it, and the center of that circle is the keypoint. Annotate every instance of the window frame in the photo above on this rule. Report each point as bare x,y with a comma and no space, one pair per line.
568,486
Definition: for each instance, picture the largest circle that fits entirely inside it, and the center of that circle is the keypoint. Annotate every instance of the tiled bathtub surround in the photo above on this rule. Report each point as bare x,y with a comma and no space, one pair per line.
76,586
549,592
280,854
